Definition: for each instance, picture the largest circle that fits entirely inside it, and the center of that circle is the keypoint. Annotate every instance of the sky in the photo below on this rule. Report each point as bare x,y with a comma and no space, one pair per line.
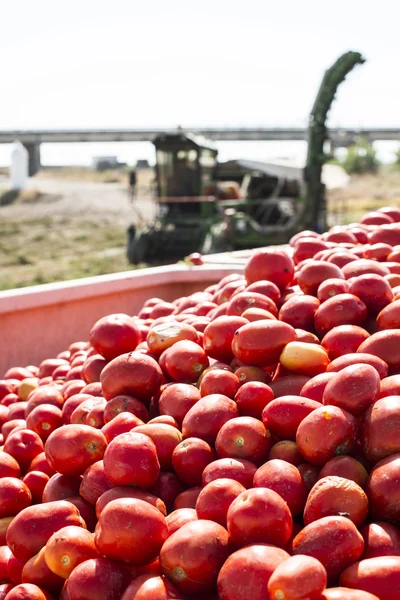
164,63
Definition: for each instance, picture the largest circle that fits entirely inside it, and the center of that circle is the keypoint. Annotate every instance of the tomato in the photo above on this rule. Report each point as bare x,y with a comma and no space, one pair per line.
165,335
390,386
125,404
249,570
190,458
36,482
373,290
299,577
259,515
299,311
326,432
344,593
332,287
252,397
347,467
193,556
9,466
151,587
127,492
379,426
381,539
343,309
272,264
114,335
375,575
14,496
344,339
23,445
334,541
28,591
364,266
243,437
185,361
218,336
304,358
385,345
37,572
122,423
312,275
239,469
354,389
60,487
286,450
219,381
98,578
92,368
289,385
70,449
257,314
243,301
298,236
167,487
284,479
44,419
383,489
359,358
32,527
130,530
165,437
387,233
307,247
283,415
187,498
215,499
177,518
131,459
260,343
94,482
133,374
315,387
247,374
206,417
336,496
267,288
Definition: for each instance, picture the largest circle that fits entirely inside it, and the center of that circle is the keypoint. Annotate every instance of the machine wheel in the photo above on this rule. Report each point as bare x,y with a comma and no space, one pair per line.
213,244
138,246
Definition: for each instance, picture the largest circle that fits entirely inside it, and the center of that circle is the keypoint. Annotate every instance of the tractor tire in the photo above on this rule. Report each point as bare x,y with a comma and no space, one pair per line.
213,244
138,247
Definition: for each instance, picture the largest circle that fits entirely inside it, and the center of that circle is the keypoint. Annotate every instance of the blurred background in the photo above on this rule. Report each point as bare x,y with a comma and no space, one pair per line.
96,65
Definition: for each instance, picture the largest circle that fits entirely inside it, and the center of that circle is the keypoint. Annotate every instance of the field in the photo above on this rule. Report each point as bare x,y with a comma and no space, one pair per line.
72,223
363,194
66,227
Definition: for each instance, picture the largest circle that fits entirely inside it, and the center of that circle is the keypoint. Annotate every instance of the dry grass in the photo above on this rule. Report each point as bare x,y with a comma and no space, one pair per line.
365,193
57,248
84,174
29,196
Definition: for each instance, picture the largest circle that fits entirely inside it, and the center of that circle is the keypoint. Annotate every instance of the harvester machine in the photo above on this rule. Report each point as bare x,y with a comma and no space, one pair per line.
206,207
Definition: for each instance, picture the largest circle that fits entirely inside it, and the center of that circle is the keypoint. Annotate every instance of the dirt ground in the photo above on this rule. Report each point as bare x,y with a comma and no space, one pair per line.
71,223
63,228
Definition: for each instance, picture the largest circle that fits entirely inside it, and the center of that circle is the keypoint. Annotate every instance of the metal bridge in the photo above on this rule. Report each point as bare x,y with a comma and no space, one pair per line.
339,137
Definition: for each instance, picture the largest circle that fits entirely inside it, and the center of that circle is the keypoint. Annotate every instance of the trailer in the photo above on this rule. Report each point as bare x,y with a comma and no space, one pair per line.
41,321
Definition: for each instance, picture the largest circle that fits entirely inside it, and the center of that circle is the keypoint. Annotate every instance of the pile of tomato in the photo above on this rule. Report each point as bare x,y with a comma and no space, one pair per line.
241,443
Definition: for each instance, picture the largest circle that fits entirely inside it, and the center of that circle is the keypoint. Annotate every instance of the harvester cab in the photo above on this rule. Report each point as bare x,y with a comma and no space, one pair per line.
186,190
186,166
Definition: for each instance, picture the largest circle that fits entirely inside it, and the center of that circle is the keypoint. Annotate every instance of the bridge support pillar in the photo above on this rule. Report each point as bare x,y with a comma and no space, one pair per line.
34,158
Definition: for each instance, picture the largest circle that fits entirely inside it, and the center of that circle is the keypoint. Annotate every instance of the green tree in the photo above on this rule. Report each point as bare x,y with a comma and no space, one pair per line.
361,158
396,163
